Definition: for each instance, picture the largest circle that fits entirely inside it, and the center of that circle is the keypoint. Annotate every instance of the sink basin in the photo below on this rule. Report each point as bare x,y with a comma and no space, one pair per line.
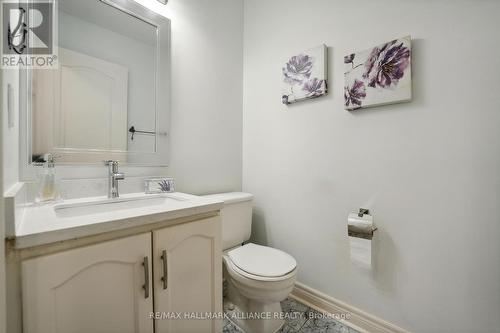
96,206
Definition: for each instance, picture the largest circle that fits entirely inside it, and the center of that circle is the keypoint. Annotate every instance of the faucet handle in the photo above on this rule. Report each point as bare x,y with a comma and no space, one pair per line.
112,165
110,162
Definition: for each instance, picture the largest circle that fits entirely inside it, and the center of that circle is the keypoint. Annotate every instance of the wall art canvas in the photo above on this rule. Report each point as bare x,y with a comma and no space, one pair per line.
378,76
305,75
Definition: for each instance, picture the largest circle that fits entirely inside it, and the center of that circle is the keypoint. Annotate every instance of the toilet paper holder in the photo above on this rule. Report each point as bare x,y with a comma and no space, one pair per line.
363,211
361,226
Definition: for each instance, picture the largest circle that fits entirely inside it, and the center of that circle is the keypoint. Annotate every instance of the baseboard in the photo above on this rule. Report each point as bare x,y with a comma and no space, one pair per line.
356,318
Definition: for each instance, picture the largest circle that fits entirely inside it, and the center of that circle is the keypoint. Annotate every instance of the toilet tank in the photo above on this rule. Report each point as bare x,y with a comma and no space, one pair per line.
236,217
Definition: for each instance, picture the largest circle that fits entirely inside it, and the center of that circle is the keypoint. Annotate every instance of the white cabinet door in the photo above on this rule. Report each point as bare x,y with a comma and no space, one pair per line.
98,289
188,276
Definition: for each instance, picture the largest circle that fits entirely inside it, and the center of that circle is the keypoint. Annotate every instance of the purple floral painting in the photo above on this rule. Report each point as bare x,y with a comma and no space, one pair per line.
305,76
378,76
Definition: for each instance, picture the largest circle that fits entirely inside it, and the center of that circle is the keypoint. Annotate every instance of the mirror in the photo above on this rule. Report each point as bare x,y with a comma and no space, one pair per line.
109,97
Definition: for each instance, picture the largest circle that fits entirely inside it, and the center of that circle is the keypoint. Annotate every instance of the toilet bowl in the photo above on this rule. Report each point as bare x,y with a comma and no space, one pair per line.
257,277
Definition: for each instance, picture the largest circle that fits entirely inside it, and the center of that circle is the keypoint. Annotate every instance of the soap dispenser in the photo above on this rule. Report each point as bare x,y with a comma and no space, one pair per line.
47,184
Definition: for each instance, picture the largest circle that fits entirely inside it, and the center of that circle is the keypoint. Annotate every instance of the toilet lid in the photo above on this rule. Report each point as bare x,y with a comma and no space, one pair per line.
262,260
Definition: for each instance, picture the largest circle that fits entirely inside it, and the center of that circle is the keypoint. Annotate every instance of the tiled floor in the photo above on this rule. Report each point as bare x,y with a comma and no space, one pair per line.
309,321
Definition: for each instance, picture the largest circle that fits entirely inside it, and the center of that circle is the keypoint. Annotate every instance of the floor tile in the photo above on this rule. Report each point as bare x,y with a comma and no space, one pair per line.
287,329
229,327
299,318
318,323
295,313
292,304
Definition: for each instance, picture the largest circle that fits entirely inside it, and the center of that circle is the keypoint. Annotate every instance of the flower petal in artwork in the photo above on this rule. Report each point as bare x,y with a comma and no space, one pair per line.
348,59
354,95
292,79
386,65
298,69
314,87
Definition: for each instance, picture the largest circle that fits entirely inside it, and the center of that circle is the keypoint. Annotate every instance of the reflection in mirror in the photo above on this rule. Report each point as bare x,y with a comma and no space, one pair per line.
102,101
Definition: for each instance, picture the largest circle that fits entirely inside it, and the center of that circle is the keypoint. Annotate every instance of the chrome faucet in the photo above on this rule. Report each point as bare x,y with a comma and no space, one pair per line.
113,177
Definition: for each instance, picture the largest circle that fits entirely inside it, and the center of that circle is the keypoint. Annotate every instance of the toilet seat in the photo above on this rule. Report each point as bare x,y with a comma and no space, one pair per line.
256,294
261,262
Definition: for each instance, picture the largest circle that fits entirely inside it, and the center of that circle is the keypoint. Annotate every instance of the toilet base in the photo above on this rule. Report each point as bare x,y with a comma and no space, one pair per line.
255,300
246,316
250,315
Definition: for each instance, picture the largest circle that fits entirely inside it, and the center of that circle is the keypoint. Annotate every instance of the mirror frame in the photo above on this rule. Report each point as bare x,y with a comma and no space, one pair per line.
160,157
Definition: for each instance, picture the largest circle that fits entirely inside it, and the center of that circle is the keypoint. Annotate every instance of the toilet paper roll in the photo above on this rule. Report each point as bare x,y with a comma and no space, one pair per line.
361,252
360,227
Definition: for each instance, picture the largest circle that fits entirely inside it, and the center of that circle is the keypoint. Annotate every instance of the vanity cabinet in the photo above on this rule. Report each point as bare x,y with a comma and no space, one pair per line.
188,276
116,286
98,288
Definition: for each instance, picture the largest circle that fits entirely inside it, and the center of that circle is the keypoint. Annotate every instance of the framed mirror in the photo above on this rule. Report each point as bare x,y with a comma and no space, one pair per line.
109,97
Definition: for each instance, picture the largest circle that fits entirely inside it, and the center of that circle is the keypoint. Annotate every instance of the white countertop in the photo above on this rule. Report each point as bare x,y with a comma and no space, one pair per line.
42,224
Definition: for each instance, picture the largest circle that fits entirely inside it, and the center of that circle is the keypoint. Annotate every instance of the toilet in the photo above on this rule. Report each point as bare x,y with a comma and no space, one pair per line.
257,277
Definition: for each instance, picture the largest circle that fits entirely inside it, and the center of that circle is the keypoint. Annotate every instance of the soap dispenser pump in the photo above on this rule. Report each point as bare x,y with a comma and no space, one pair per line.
47,185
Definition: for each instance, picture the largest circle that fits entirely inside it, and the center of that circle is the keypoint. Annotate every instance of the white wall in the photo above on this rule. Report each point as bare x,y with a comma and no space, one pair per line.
207,79
429,170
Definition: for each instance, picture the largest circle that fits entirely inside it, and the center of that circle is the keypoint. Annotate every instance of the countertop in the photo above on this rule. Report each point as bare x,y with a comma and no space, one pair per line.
43,224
